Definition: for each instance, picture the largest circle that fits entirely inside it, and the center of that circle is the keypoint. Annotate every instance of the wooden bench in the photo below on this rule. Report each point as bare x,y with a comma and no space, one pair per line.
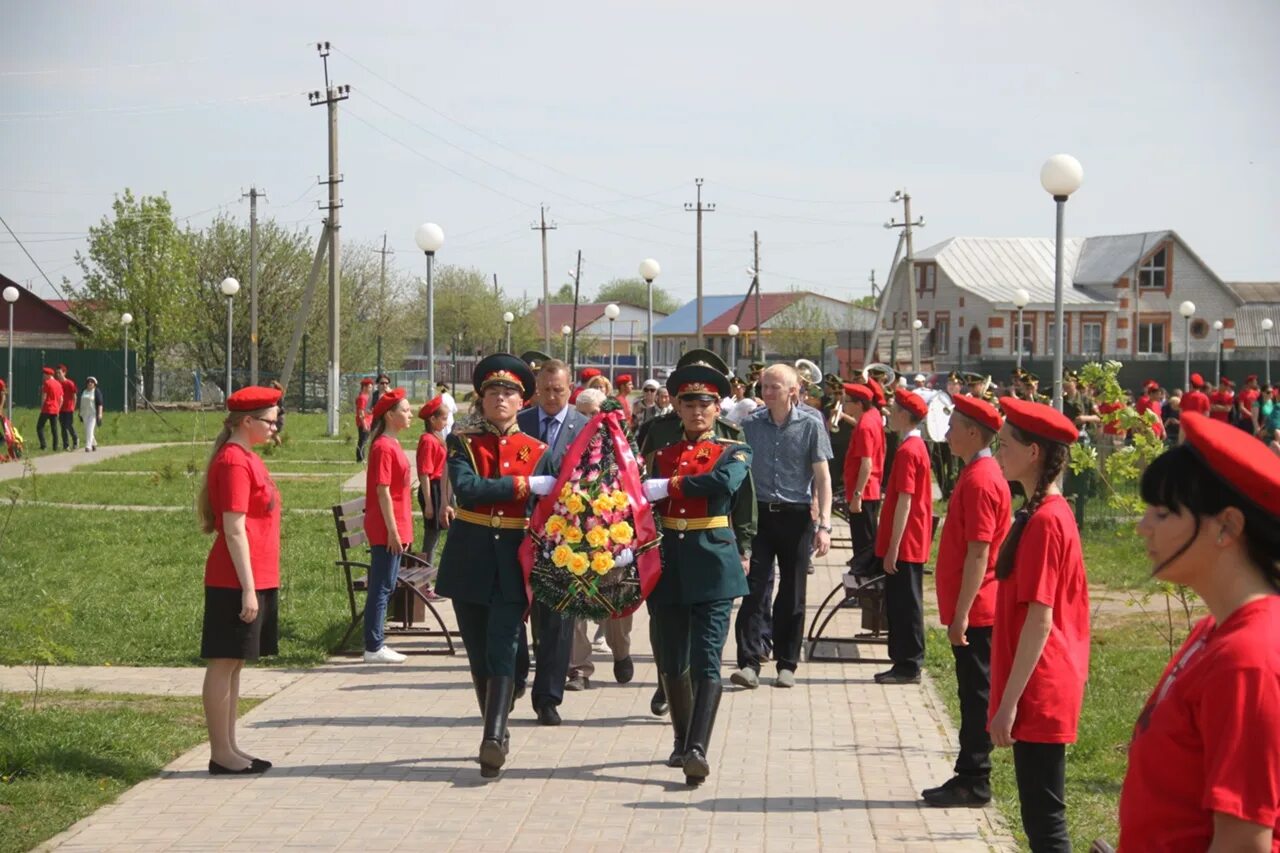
409,600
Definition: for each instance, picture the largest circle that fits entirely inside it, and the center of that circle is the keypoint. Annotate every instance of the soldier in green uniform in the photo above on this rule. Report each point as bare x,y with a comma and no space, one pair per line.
665,430
693,484
494,469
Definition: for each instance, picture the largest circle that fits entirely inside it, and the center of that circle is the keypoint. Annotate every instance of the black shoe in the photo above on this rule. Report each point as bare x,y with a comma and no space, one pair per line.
520,688
497,704
971,795
897,676
216,769
706,702
548,715
658,705
578,682
950,783
260,762
681,701
624,670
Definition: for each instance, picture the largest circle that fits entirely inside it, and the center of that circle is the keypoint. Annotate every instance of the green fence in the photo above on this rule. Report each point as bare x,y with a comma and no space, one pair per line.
107,366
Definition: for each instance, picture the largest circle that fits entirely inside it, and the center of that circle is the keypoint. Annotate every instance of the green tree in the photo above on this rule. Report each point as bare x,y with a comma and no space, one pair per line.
634,291
563,296
136,261
867,301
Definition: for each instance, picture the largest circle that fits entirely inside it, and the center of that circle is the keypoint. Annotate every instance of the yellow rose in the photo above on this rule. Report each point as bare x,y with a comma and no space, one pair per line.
574,504
561,555
555,525
621,533
573,535
620,500
601,562
565,492
597,537
602,504
578,564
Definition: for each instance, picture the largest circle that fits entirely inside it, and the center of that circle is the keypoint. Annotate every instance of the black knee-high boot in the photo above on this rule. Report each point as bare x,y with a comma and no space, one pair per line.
706,701
680,695
480,684
499,694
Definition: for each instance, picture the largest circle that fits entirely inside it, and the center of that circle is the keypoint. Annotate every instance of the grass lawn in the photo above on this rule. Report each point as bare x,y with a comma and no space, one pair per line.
79,751
170,487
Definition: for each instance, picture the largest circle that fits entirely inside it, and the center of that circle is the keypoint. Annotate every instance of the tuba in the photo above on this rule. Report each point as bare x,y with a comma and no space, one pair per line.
809,372
883,373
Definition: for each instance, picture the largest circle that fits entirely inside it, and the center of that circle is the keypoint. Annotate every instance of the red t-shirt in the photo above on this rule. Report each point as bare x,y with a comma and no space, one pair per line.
431,453
1108,427
1208,739
867,441
52,402
239,482
68,395
1048,568
1195,401
909,473
977,512
1146,404
364,420
1221,398
387,467
1247,398
626,406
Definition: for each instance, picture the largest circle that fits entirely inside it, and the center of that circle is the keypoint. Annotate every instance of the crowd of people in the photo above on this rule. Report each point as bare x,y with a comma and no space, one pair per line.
744,477
61,403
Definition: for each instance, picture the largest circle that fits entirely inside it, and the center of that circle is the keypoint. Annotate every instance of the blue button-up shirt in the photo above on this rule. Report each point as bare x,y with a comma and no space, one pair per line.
782,457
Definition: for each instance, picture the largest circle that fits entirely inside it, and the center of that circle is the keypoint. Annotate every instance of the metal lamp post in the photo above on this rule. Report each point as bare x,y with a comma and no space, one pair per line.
649,270
508,318
1267,325
1218,326
611,311
565,331
10,296
1020,300
1187,310
1061,175
230,287
733,348
125,320
430,237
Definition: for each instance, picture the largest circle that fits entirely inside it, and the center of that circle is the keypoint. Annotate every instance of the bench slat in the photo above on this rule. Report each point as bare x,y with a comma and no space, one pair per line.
354,539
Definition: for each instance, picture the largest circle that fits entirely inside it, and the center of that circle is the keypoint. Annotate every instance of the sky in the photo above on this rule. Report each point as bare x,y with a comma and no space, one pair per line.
801,118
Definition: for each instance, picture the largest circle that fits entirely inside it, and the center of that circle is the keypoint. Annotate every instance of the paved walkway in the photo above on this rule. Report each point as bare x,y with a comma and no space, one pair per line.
256,682
49,462
383,758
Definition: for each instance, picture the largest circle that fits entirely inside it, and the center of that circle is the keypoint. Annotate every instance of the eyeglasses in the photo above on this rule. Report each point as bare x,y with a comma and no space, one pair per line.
274,424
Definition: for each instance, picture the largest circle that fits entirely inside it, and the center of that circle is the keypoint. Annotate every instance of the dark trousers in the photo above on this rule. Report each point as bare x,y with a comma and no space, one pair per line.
52,421
904,611
555,640
67,420
1041,770
973,685
862,529
362,436
490,633
787,537
691,637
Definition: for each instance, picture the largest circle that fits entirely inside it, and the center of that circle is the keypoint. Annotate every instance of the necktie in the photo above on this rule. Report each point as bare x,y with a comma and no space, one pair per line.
548,429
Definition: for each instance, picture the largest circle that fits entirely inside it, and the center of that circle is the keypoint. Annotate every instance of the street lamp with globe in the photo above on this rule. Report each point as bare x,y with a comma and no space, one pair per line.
1020,300
430,237
649,270
1187,310
1218,326
508,318
565,331
10,296
230,287
733,348
126,319
611,311
1061,175
1267,325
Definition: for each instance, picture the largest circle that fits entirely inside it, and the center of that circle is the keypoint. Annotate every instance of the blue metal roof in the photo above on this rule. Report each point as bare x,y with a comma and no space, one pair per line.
685,318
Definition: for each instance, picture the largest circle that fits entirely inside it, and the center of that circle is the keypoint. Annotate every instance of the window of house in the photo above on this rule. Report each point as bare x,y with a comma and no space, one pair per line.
1151,338
1199,328
927,279
942,334
1028,338
1151,275
1051,338
1091,339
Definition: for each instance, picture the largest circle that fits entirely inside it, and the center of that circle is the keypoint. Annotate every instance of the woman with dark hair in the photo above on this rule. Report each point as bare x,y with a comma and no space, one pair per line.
1204,760
1040,640
388,518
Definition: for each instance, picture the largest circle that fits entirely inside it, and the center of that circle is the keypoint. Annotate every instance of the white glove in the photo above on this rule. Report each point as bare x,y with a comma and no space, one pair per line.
657,489
625,558
542,484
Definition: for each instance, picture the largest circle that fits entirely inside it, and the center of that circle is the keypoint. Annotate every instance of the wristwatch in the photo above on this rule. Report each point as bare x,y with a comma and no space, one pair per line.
825,528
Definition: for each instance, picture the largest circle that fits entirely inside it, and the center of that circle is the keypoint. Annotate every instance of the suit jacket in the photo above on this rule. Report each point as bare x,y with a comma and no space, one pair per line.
530,422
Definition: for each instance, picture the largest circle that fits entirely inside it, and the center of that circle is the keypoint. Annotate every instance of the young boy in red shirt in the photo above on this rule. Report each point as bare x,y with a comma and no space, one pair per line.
863,470
904,538
67,412
50,406
430,464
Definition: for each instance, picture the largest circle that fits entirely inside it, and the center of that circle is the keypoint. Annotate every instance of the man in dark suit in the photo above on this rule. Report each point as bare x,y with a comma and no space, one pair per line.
556,423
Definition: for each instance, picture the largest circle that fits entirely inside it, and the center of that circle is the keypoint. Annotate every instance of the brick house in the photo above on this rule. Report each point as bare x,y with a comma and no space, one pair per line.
39,323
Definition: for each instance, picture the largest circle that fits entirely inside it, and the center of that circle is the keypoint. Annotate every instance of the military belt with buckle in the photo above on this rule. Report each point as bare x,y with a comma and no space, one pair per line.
499,522
711,522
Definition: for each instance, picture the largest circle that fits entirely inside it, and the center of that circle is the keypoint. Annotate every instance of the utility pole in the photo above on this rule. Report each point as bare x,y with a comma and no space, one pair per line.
573,343
905,197
254,194
330,98
755,265
542,226
382,295
700,209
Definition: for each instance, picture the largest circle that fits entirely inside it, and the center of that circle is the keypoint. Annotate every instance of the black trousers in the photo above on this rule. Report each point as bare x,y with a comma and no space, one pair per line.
362,436
973,685
786,536
1041,770
67,420
554,632
904,611
862,529
52,421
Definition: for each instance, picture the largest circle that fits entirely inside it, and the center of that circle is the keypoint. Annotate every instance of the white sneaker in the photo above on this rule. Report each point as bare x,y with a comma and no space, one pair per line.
386,654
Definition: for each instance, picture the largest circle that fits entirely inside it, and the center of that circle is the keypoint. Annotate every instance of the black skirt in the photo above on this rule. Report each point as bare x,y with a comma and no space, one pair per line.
434,522
226,636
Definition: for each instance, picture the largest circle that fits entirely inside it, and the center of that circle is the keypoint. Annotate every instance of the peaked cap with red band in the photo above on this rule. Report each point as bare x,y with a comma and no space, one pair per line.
911,402
1246,466
979,411
505,370
698,382
253,398
387,401
430,407
1039,420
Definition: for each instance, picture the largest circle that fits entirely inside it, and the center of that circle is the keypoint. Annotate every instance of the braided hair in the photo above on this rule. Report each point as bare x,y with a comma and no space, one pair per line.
1054,456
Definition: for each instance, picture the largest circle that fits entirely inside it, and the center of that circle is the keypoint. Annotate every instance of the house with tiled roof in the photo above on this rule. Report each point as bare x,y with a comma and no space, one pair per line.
40,323
630,330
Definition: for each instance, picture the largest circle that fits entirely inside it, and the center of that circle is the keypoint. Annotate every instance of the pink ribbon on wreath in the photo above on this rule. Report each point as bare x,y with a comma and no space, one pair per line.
648,560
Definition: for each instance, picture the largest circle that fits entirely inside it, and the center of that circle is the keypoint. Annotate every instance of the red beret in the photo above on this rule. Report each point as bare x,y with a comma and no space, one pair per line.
366,381
386,401
979,411
62,367
911,401
1039,420
253,398
1246,466
1228,382
588,373
1197,381
877,392
623,377
1252,377
861,393
48,371
429,408
1150,385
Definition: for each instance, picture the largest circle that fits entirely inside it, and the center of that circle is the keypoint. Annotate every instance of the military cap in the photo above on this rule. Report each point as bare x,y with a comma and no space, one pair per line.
698,382
534,358
703,356
505,370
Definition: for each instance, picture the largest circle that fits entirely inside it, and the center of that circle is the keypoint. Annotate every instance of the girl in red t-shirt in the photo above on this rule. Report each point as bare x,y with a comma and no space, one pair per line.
436,513
1040,639
239,502
1204,760
388,517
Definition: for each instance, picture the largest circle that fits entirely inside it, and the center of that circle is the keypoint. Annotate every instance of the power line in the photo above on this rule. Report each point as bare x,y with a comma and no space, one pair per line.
143,110
33,260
